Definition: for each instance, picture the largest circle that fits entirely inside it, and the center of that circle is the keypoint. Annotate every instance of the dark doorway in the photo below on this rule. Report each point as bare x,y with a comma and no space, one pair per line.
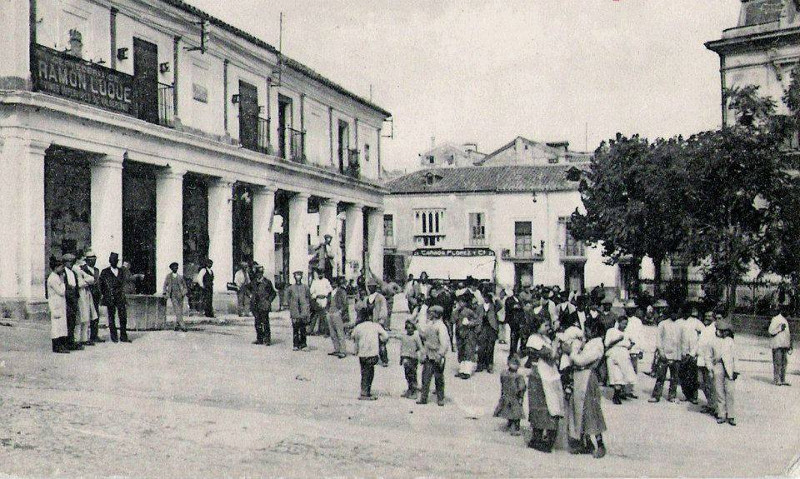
248,115
523,275
139,223
145,87
67,202
242,224
574,277
195,223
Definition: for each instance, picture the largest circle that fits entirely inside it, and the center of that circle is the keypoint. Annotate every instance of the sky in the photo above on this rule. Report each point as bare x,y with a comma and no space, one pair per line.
469,71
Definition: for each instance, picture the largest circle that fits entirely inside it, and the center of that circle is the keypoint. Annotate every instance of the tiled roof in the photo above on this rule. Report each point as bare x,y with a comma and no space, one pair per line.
293,64
498,179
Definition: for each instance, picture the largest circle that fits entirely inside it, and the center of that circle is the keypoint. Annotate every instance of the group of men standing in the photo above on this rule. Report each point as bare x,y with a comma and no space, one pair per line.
75,290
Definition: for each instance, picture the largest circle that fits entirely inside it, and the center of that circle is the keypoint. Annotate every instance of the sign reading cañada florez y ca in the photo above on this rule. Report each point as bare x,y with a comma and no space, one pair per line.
62,75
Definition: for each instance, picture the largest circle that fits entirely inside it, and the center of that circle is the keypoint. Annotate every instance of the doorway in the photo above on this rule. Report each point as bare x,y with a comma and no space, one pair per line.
344,145
248,115
145,86
574,277
523,275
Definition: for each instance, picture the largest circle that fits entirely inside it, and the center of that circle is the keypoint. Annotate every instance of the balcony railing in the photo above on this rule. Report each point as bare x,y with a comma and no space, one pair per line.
388,242
166,99
263,135
575,250
353,165
296,145
524,255
478,242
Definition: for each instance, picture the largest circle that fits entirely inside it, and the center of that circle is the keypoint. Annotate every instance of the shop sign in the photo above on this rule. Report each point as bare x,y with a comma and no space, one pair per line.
62,75
454,252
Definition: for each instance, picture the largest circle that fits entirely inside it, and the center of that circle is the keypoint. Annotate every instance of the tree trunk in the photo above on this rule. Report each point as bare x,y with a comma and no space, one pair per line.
730,295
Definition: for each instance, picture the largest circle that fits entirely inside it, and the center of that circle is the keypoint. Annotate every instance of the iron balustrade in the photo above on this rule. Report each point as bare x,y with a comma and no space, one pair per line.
166,99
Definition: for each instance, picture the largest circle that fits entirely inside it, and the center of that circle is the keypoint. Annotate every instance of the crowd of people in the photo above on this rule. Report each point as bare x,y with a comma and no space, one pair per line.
570,345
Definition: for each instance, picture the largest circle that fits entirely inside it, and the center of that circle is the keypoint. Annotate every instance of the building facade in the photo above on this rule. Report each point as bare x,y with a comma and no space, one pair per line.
450,154
149,128
507,224
522,151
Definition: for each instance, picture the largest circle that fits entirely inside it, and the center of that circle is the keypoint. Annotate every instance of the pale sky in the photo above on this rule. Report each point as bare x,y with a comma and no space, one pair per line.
487,71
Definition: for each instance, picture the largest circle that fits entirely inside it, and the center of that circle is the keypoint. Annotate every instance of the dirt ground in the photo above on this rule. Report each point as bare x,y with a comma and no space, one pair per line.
209,403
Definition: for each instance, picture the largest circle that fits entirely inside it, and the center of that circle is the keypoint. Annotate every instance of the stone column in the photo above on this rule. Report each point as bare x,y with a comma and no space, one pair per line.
375,241
298,242
354,240
22,261
169,222
263,236
220,231
107,207
328,211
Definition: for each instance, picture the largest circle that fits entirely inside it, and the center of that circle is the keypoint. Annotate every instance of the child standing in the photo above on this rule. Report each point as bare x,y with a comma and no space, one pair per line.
512,392
723,358
410,354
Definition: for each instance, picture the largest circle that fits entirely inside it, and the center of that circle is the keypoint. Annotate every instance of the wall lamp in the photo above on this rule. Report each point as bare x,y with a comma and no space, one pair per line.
122,53
163,67
235,98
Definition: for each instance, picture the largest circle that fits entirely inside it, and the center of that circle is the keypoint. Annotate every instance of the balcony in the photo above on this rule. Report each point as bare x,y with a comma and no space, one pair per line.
262,144
166,104
573,252
478,242
524,254
296,145
353,165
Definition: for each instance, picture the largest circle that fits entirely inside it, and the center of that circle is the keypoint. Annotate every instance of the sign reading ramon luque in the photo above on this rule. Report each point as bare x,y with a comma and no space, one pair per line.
62,75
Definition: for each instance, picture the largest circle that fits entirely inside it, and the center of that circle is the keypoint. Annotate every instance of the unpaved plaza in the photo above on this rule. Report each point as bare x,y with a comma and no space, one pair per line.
209,403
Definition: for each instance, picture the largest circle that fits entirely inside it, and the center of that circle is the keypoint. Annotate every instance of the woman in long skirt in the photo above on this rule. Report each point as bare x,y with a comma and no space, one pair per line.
545,392
585,413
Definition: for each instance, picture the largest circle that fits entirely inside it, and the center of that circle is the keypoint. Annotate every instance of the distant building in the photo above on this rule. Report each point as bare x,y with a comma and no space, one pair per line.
450,154
761,49
508,224
522,151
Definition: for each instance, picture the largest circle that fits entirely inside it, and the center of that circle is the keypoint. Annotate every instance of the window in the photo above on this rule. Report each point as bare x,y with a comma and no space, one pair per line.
366,152
523,239
431,160
477,229
570,247
388,230
429,227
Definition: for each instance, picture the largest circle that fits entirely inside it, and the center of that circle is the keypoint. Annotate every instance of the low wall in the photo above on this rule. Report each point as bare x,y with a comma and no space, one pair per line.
757,325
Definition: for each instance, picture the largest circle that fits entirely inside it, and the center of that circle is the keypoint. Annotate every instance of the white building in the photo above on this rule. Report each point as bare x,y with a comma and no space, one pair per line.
508,224
149,128
522,151
450,154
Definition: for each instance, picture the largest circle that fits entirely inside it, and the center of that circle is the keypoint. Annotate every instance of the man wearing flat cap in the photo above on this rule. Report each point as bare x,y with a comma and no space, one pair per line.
89,267
175,290
112,281
299,298
435,340
262,295
72,296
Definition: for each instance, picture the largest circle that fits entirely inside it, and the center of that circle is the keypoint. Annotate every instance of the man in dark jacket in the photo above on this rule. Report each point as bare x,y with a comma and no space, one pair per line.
262,295
208,289
514,319
112,284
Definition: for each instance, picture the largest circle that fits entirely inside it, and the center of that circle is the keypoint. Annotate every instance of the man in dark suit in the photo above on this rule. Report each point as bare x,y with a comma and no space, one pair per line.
90,268
514,318
263,293
208,289
71,296
112,284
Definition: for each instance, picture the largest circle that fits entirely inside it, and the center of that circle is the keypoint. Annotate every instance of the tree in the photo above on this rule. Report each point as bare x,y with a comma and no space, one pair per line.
737,175
630,197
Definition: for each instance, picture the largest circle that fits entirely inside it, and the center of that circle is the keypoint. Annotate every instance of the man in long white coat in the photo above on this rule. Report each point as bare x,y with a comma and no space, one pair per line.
86,309
57,304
